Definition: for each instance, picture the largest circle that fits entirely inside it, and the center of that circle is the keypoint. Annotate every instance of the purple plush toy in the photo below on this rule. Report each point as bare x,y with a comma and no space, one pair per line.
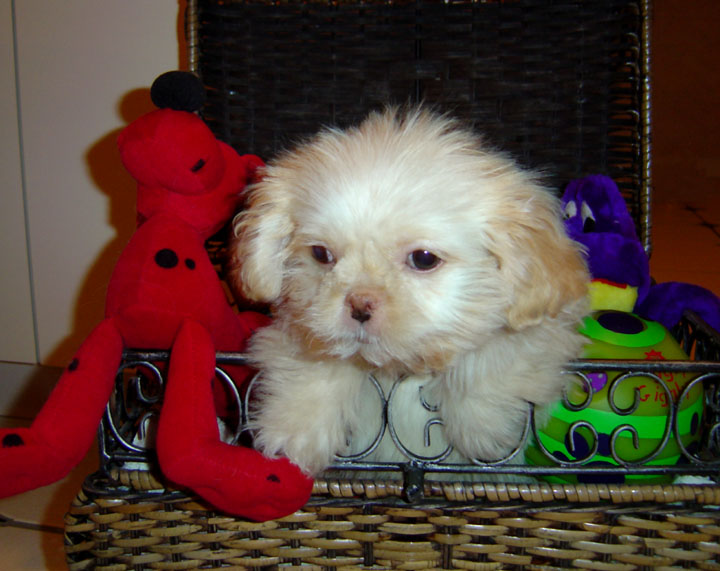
596,216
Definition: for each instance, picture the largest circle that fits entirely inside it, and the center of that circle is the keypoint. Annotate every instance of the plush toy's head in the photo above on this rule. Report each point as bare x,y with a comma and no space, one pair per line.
597,217
180,167
594,205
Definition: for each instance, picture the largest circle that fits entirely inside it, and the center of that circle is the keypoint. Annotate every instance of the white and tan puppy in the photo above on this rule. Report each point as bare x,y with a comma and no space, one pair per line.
404,248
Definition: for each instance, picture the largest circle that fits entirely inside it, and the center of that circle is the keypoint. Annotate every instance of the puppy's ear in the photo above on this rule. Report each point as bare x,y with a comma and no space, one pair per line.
542,267
260,248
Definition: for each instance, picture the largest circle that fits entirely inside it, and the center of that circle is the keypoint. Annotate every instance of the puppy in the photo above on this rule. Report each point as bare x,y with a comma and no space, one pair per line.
405,251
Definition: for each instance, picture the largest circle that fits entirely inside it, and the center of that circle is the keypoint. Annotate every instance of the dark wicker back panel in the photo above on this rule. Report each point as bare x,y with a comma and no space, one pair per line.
558,84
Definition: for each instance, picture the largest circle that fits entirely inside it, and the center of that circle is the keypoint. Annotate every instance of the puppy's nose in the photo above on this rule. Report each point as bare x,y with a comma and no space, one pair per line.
361,306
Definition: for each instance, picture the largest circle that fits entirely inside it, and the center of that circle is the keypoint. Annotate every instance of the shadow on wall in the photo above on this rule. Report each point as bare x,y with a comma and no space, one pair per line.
111,178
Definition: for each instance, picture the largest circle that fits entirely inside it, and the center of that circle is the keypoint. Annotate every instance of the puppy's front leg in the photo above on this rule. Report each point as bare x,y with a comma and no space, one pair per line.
305,407
483,416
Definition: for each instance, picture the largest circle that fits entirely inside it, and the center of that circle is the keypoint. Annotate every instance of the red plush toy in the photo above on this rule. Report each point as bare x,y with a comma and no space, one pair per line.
165,294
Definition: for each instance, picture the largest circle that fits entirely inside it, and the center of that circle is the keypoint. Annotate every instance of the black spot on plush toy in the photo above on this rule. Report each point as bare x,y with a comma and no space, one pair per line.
165,294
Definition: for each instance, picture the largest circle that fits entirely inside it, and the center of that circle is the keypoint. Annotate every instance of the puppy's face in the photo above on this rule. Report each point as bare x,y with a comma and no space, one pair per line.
403,243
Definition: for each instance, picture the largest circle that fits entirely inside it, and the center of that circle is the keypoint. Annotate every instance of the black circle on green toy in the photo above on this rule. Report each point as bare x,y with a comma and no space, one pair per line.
622,329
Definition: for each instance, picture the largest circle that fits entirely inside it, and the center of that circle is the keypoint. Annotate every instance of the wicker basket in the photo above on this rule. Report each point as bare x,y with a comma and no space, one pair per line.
365,526
562,85
128,517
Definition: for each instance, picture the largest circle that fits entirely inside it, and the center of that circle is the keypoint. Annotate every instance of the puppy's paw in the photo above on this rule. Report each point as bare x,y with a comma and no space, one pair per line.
486,433
312,449
303,407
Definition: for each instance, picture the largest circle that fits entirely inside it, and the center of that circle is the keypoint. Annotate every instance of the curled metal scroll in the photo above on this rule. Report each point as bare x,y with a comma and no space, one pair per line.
587,389
528,428
622,430
131,413
383,426
712,436
426,429
669,423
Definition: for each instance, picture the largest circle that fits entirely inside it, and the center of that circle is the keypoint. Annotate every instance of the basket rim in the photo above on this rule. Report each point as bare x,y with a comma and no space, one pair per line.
141,485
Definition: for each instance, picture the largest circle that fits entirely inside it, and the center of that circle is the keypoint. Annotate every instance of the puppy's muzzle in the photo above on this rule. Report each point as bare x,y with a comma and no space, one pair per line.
361,306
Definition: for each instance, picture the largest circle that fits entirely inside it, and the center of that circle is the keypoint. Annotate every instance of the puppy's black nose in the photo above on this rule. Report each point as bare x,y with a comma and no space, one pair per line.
361,306
361,315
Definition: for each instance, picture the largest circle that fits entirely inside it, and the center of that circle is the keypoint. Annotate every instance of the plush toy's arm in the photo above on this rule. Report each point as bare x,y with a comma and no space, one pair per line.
65,428
667,301
235,479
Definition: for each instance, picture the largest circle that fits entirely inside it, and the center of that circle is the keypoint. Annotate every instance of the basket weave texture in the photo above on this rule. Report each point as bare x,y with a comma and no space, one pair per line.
560,85
361,525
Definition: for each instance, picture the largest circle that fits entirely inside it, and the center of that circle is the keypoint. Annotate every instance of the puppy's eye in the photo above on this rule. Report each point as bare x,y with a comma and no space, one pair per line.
423,260
322,254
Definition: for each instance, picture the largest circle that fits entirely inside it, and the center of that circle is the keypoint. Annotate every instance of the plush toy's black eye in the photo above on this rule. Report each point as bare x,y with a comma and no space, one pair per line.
588,218
322,254
198,165
423,260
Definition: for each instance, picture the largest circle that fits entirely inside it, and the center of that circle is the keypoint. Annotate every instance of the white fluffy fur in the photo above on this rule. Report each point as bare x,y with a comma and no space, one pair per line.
484,332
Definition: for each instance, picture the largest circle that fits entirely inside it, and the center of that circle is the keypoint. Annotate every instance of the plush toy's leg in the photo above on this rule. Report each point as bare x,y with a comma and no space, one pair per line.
65,428
235,479
232,336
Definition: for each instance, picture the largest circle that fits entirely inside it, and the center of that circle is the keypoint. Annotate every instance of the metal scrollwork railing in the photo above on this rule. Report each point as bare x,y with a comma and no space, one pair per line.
645,420
127,429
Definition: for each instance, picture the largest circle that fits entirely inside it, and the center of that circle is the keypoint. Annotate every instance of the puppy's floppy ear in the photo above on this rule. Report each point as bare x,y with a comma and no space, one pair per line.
260,249
541,266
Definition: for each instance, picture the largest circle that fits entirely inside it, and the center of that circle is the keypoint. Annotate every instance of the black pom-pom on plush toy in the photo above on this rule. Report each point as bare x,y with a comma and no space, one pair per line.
178,90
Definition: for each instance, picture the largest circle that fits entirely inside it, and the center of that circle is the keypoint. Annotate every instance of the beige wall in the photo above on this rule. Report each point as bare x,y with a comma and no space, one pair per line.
83,67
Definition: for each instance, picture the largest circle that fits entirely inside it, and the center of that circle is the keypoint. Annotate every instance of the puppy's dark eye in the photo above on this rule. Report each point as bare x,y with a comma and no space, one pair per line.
322,254
423,260
198,165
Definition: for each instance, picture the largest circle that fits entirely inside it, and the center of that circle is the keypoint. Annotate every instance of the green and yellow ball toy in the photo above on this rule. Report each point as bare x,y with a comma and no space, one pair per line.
622,400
